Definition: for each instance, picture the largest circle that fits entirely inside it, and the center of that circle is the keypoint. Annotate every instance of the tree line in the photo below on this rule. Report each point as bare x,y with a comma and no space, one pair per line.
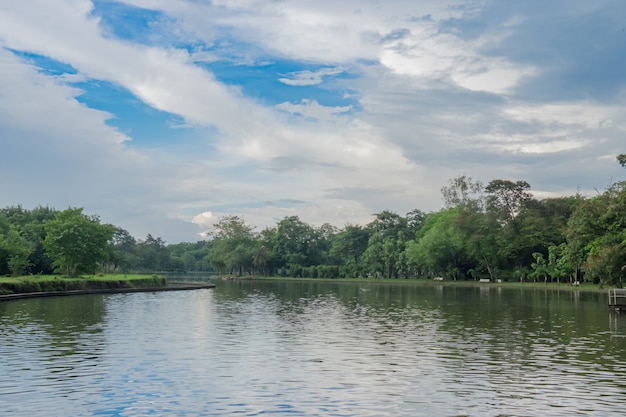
496,230
69,242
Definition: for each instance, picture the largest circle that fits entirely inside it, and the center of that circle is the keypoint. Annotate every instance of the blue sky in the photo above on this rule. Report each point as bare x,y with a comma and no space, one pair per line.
162,116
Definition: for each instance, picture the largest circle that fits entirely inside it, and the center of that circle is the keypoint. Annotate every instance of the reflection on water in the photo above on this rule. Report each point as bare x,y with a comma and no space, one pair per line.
314,349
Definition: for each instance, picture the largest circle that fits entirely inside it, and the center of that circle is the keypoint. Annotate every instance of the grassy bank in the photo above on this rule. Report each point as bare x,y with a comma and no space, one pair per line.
51,283
424,281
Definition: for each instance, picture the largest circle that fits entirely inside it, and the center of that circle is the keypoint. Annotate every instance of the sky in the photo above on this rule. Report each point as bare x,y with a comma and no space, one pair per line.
163,116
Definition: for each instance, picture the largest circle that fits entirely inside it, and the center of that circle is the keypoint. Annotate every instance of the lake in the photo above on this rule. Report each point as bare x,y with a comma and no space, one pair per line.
254,348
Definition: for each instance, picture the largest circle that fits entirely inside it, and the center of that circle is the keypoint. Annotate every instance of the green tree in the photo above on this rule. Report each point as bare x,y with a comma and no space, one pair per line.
480,231
29,225
348,247
440,248
151,255
388,236
462,191
505,198
232,246
76,242
296,243
14,252
540,267
596,236
120,252
193,255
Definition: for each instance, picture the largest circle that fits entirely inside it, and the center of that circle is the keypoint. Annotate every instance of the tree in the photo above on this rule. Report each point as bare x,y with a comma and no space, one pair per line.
505,198
15,250
560,263
29,225
462,191
621,158
388,236
120,250
440,248
76,242
193,255
296,243
596,236
348,247
232,245
415,219
480,231
151,254
540,267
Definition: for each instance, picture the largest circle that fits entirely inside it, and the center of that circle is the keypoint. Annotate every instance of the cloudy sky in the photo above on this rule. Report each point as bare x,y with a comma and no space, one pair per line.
161,116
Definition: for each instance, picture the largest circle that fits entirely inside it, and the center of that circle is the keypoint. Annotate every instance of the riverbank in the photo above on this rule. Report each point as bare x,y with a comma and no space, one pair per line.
51,285
587,287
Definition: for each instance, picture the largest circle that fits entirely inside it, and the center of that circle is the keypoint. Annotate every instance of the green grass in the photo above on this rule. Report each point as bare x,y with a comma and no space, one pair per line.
49,283
588,287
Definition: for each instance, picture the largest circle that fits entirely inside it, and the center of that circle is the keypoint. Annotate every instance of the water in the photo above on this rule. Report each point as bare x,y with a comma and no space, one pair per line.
314,349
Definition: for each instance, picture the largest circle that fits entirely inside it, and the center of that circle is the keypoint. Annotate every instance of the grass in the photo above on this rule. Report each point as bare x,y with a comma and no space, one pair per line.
588,287
49,283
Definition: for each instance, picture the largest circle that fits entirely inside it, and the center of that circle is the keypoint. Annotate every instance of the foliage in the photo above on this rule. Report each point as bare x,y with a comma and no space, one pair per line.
76,242
462,191
15,250
232,246
497,231
48,283
388,236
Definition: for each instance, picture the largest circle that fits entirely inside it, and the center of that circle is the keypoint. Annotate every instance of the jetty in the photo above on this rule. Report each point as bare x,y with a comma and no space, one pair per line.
617,298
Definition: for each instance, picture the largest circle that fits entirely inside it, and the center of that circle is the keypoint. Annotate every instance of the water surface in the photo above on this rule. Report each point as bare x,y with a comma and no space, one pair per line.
314,349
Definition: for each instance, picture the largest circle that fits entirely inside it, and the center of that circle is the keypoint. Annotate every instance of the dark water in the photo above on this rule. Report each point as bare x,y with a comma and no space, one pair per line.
314,349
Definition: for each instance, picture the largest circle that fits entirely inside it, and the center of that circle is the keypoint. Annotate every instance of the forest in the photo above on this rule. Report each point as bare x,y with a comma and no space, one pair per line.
495,231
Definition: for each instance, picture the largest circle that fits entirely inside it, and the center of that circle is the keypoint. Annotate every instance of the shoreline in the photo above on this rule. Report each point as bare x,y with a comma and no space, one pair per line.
43,294
55,286
586,287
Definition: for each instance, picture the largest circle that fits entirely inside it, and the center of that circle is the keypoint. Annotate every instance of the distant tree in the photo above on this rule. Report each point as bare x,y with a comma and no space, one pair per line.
621,158
462,191
415,219
596,236
193,255
14,251
233,244
296,242
505,198
348,247
540,267
120,251
388,236
29,225
76,242
440,248
151,254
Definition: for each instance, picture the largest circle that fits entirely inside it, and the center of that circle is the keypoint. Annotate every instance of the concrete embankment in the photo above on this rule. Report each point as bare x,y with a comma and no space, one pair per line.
111,290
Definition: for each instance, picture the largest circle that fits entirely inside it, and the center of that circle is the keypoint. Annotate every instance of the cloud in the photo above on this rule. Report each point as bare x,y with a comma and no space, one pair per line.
57,152
312,109
381,103
306,77
204,219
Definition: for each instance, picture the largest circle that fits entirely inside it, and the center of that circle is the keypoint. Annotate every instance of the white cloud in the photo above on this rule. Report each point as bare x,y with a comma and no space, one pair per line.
432,104
312,109
204,219
306,77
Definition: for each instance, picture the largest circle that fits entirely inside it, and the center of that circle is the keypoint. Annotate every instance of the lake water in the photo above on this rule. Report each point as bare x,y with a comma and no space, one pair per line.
314,349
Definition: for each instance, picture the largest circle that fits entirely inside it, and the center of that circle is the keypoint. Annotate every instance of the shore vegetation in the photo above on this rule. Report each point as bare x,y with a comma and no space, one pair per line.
496,232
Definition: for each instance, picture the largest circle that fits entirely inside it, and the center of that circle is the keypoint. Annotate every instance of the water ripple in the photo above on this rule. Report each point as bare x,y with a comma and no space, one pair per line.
257,349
